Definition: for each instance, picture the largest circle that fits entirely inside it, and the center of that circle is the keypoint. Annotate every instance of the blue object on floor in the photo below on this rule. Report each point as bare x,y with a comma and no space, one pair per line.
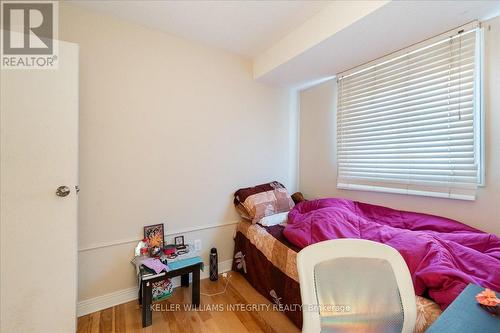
465,315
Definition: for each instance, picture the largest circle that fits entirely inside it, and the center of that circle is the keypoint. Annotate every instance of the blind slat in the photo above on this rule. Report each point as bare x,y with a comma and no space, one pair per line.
423,143
444,121
411,74
408,150
451,127
395,113
409,177
464,90
424,140
461,75
413,120
430,103
404,168
433,160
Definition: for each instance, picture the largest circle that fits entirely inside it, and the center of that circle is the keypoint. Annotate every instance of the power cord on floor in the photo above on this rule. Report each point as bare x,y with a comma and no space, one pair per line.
227,277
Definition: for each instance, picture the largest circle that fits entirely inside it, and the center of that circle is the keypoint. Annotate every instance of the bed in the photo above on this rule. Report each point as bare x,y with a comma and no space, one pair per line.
268,261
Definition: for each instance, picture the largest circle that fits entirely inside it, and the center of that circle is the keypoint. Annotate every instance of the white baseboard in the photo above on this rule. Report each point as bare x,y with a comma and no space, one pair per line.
126,295
105,301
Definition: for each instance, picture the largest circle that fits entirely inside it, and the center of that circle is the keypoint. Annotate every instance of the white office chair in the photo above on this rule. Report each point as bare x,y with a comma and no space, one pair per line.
354,285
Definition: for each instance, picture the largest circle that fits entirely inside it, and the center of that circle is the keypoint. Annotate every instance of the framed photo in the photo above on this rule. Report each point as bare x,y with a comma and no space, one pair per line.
179,240
155,235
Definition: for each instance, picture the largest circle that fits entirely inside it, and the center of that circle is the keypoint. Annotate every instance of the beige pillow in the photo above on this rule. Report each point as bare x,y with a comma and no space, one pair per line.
263,200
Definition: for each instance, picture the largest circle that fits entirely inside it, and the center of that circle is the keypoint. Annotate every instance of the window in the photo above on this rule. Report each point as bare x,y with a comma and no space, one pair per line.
411,122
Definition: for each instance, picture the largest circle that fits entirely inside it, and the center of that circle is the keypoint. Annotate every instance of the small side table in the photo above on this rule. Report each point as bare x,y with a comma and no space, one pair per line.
464,315
180,268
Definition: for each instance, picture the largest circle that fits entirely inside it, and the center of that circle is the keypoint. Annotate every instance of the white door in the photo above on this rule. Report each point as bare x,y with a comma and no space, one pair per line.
39,153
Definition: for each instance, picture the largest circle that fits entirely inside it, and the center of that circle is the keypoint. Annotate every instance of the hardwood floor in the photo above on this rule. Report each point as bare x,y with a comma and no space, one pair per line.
127,317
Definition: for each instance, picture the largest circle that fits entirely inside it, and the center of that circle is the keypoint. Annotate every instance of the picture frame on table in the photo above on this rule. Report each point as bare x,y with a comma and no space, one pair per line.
179,241
155,235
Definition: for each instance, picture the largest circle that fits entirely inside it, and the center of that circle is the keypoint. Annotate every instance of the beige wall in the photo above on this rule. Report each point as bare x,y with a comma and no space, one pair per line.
317,161
169,129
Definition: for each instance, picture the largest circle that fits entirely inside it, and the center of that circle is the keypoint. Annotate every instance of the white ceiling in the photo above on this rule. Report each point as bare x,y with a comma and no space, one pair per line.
252,28
243,27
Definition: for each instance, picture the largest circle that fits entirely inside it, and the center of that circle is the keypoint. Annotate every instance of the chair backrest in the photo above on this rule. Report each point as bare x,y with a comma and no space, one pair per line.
355,285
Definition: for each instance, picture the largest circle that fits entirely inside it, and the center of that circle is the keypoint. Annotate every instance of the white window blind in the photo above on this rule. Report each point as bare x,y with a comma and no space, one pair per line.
410,122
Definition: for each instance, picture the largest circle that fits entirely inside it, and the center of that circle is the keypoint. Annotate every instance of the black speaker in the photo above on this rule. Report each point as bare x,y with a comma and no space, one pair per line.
214,271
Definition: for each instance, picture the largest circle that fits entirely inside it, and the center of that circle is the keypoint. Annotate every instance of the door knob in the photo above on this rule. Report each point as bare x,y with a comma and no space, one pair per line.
63,191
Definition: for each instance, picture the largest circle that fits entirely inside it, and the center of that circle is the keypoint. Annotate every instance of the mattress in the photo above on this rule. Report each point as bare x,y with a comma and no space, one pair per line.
269,263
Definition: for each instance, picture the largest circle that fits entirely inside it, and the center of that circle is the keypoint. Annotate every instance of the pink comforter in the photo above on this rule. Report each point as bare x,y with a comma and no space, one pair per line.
443,255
